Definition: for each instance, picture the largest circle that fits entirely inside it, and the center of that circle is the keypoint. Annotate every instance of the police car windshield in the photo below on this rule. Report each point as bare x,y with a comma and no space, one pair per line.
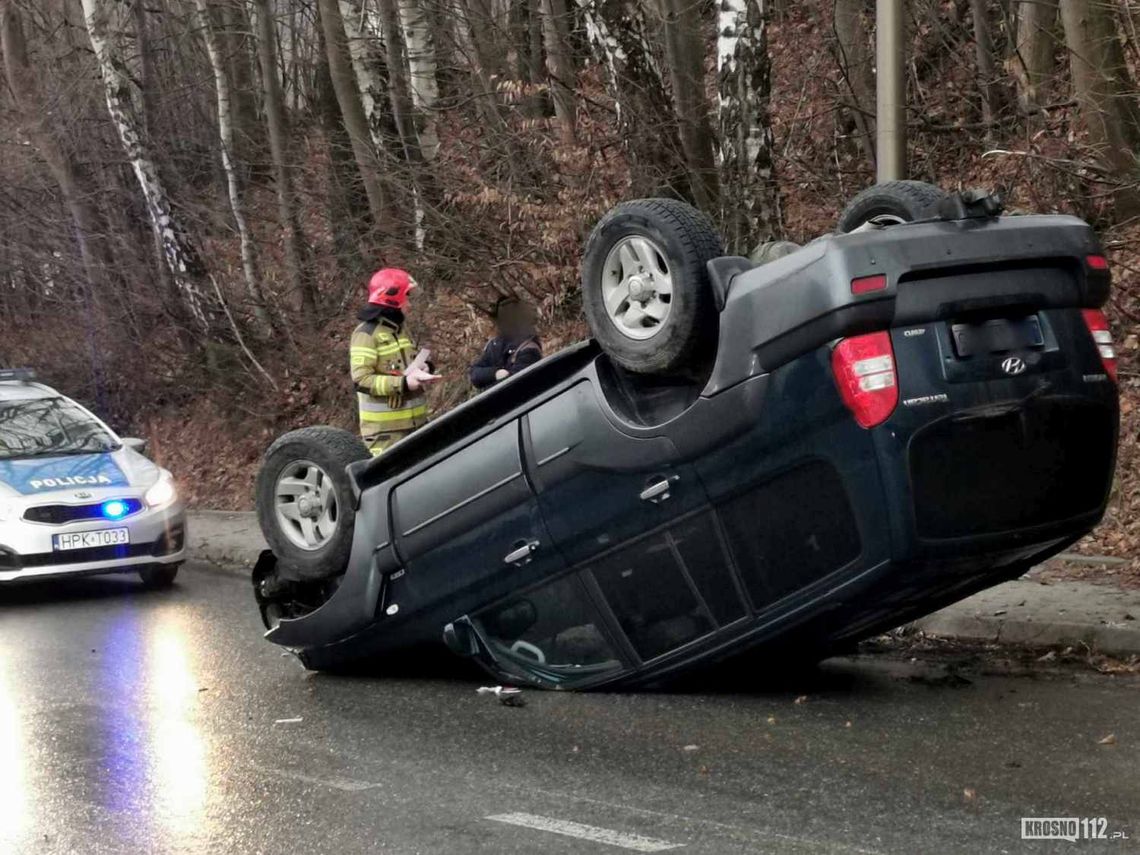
49,426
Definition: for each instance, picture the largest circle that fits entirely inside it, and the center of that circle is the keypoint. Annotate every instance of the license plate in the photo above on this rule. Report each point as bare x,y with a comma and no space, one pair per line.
90,539
997,335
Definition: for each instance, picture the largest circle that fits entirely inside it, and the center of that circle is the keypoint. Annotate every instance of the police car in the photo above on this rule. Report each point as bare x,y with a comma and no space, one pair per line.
75,499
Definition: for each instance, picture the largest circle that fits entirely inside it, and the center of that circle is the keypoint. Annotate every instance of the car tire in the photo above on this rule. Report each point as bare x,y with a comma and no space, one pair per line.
305,501
158,575
645,285
892,202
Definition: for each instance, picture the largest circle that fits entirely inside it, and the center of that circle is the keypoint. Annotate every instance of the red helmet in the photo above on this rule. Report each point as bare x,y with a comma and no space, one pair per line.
390,287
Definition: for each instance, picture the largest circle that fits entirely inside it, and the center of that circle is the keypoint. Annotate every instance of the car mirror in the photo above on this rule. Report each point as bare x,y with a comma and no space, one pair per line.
460,638
134,443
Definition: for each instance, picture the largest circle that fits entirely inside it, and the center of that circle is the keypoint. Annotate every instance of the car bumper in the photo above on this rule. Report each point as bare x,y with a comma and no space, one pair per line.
156,537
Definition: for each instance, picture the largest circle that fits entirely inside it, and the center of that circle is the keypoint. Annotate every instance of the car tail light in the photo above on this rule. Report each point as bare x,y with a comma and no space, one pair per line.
864,369
867,284
1096,262
1097,323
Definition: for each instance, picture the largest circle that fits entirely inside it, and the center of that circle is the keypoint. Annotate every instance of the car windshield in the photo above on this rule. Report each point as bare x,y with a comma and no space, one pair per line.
49,426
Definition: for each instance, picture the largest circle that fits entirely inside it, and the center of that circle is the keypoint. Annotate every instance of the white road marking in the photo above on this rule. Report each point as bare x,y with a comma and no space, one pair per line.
693,820
586,832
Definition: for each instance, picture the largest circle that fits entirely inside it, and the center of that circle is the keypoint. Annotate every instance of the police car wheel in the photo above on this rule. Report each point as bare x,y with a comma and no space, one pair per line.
305,504
158,576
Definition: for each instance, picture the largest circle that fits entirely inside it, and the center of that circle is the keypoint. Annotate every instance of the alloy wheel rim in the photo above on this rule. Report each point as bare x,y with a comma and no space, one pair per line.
637,287
305,503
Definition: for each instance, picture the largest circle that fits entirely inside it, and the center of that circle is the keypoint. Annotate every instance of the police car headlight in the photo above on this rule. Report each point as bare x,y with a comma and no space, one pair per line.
162,492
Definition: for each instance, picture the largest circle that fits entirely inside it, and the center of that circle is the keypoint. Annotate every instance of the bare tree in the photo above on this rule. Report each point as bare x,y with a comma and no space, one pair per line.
363,33
75,184
228,150
402,109
105,27
987,65
556,35
420,44
352,109
299,283
749,200
239,55
1100,89
620,40
685,52
856,70
1034,50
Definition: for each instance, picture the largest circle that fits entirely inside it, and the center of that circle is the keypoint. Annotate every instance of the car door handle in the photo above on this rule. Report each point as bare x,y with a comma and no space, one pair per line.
658,491
522,552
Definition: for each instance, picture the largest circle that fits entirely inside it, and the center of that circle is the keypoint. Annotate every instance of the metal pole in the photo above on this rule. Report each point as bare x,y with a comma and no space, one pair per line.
890,81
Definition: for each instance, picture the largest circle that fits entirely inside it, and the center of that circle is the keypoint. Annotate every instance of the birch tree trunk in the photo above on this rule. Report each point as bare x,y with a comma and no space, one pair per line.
105,28
297,278
420,45
556,35
1033,55
619,38
75,184
857,70
239,55
364,39
404,112
685,52
233,180
749,198
352,109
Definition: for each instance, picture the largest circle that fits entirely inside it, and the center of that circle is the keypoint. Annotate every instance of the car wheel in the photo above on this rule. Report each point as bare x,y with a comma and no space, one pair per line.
645,286
158,575
305,501
891,203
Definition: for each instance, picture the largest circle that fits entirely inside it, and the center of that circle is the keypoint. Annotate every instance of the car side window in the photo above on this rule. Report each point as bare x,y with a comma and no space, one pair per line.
654,602
554,628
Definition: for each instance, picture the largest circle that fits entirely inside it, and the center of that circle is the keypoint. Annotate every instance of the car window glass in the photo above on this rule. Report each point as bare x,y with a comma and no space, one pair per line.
49,426
554,627
653,601
700,547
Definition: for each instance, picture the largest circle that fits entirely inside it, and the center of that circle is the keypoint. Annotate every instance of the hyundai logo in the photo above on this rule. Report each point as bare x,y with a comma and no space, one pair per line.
1013,365
83,495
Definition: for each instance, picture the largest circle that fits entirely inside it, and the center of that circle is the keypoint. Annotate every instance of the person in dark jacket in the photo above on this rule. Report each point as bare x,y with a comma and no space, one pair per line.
513,349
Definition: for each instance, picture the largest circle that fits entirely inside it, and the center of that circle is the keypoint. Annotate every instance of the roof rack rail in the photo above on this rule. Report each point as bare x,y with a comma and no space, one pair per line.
20,375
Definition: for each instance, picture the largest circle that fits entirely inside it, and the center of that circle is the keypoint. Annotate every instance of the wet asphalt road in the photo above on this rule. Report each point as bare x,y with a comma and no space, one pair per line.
134,721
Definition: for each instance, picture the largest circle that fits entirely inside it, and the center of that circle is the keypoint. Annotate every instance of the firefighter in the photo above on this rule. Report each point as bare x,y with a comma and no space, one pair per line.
388,378
514,348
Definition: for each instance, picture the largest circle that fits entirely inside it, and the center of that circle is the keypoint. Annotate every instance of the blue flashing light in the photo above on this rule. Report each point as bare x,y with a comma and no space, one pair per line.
115,509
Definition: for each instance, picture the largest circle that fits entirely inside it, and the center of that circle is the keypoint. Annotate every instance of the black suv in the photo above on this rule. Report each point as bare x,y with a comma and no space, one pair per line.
787,457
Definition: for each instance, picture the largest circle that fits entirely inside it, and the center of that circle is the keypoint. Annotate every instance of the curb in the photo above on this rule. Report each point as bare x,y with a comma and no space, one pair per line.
1023,612
1037,614
229,539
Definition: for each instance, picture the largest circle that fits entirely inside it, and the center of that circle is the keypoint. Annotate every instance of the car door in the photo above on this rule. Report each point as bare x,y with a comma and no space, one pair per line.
468,528
597,485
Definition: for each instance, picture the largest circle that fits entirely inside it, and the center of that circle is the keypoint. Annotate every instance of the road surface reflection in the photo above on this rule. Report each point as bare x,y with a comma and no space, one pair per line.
155,757
13,765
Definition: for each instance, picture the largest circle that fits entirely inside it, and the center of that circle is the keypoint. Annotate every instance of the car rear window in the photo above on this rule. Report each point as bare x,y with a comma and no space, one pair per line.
49,426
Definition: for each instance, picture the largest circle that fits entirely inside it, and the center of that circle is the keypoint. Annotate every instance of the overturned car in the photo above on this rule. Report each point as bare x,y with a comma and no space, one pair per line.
746,458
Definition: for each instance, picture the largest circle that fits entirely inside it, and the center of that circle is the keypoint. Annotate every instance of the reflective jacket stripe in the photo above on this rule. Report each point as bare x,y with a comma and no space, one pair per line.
379,355
408,413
